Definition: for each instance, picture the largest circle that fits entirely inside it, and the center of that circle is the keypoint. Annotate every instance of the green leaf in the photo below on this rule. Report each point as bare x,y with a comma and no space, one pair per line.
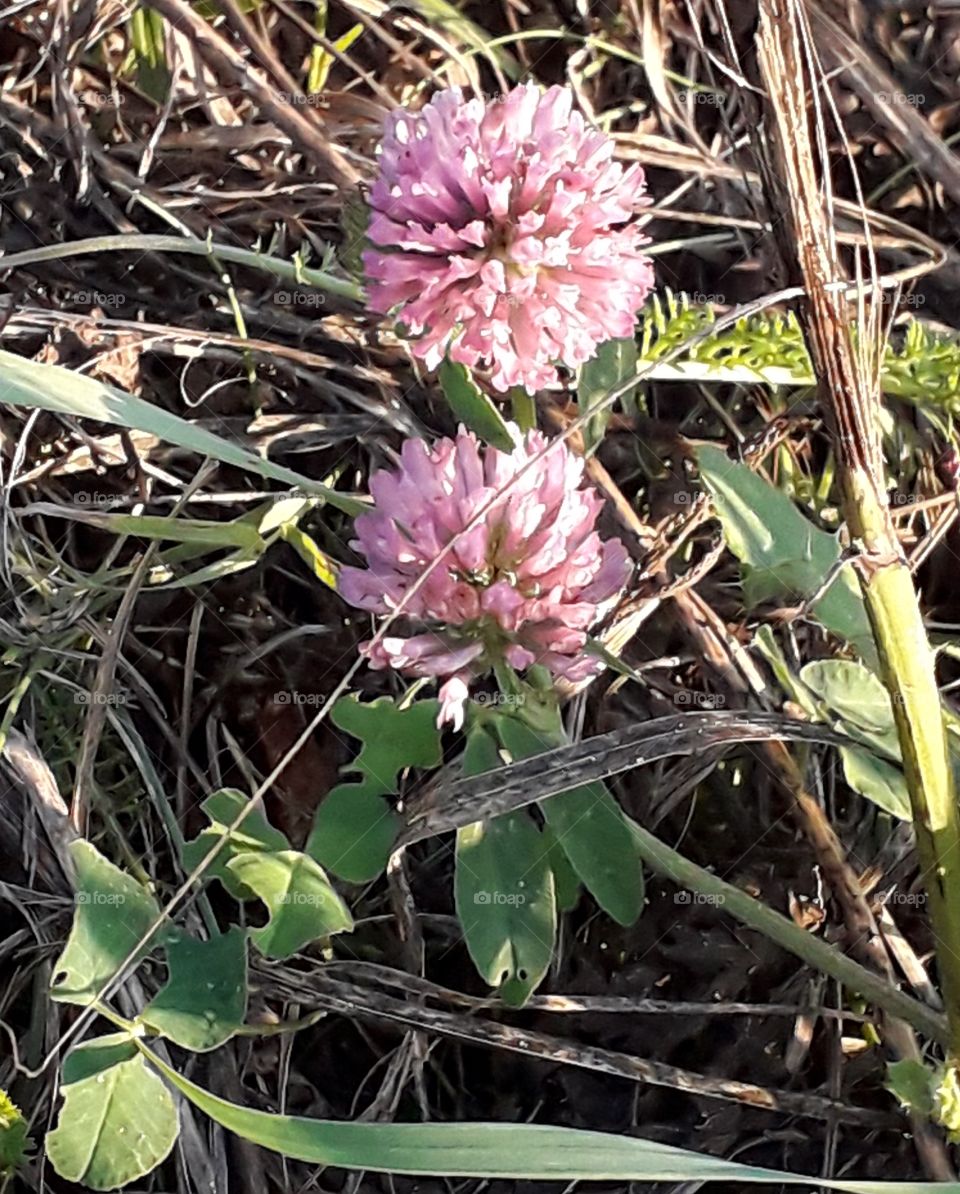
393,739
353,833
589,825
506,903
854,694
13,1134
783,554
113,913
878,780
615,362
354,829
303,906
114,1127
530,1152
52,387
96,1055
565,879
505,895
255,833
473,408
204,1001
912,1084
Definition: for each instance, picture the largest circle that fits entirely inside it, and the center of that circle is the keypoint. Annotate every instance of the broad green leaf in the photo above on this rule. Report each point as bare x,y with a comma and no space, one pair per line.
114,1127
13,1135
113,913
615,362
354,829
506,903
52,387
96,1055
255,833
505,895
303,906
589,825
472,407
522,1152
353,833
853,693
204,1001
393,739
783,554
878,780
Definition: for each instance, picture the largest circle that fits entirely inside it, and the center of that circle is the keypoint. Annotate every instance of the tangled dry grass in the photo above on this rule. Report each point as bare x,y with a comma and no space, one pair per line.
254,126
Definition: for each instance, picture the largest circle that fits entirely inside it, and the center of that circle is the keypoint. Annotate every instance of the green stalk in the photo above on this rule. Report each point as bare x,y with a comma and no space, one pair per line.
907,669
796,170
789,936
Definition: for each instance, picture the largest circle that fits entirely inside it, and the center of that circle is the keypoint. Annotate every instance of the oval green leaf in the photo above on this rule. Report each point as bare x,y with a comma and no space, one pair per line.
113,914
114,1127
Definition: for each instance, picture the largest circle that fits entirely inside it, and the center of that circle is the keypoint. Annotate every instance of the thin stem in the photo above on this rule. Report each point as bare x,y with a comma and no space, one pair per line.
789,936
288,271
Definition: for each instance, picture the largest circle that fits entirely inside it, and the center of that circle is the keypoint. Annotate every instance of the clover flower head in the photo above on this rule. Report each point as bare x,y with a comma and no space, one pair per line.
506,234
522,572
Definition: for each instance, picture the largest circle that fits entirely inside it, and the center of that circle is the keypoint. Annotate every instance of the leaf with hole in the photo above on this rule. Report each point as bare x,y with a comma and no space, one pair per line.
505,895
204,1001
113,913
114,1127
303,906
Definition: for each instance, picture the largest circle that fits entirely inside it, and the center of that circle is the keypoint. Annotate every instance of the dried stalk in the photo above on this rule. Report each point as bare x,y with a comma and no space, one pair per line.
797,178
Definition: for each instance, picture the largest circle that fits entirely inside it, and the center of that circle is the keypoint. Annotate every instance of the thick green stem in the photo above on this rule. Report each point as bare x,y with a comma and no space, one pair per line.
907,666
